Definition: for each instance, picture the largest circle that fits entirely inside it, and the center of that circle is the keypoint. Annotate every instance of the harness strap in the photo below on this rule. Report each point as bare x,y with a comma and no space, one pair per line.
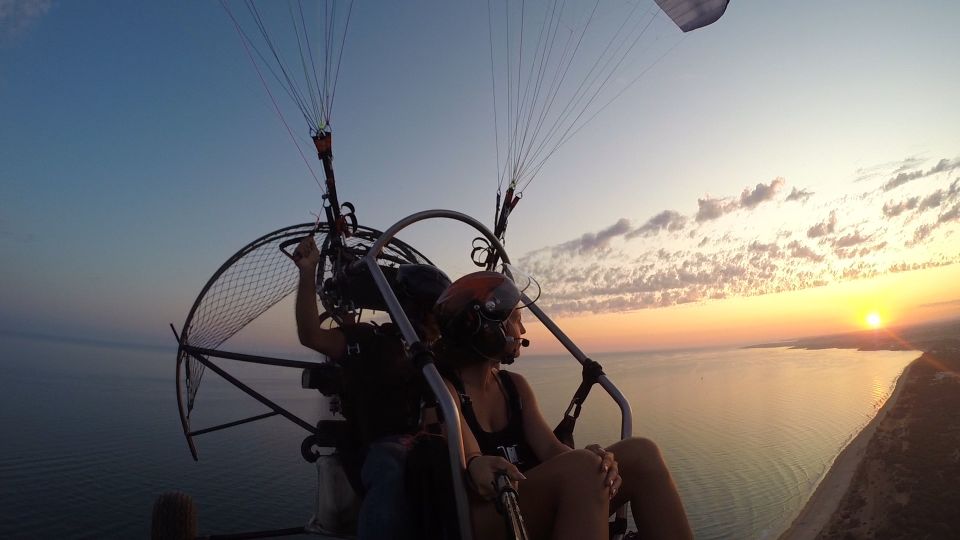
514,400
591,374
592,371
466,405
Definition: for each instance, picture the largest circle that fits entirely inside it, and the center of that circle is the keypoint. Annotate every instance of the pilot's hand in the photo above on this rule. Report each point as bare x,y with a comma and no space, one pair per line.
306,255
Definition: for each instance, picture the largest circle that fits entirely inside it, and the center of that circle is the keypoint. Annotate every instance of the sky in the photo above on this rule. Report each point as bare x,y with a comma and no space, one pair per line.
783,172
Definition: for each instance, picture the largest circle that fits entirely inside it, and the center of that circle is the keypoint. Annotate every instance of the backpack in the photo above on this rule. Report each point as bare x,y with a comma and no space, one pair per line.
380,389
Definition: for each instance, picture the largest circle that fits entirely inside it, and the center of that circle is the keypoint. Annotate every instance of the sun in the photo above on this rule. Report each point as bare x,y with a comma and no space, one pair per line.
874,320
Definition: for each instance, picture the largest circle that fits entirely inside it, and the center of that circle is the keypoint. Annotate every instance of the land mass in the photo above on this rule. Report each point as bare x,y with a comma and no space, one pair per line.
897,478
925,337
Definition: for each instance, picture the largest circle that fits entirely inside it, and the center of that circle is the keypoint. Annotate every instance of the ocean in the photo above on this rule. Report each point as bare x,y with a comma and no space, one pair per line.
92,434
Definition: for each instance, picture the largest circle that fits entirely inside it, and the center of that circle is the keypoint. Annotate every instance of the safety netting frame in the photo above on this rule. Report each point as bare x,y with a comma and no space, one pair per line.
249,283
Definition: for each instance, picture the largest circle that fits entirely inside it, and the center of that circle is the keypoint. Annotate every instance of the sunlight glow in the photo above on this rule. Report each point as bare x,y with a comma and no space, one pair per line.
873,320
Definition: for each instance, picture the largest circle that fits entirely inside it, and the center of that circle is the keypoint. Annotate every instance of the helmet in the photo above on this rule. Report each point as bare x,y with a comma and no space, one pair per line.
419,286
472,310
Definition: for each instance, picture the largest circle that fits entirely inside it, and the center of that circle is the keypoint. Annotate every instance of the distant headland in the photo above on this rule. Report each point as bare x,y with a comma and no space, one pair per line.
897,478
923,337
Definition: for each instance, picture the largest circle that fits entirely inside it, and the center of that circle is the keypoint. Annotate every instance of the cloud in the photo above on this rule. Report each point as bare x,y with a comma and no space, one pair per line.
921,233
594,241
850,240
955,302
17,16
846,253
799,195
865,173
668,220
933,200
800,251
901,179
891,209
708,208
672,260
909,163
771,249
619,281
943,165
824,228
950,215
665,278
761,193
907,267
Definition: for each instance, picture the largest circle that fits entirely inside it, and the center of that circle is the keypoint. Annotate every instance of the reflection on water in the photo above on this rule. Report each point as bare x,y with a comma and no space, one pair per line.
746,433
92,434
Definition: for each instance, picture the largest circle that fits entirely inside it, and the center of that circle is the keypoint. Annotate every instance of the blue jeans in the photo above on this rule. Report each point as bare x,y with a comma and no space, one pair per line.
385,511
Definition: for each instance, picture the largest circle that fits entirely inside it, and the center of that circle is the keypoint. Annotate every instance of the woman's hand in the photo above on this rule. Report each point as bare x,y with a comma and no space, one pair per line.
483,469
608,466
306,255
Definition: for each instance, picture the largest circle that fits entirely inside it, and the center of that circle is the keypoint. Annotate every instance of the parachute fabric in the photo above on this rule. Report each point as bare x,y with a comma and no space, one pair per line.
692,14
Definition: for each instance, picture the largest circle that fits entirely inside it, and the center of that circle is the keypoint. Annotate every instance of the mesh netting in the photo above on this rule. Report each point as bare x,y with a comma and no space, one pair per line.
256,278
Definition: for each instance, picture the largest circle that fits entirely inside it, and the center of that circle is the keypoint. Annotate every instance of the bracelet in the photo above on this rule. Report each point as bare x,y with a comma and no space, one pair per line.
469,478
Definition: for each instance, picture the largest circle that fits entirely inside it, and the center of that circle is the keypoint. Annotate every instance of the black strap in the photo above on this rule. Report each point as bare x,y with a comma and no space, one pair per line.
617,526
466,405
564,430
591,374
514,402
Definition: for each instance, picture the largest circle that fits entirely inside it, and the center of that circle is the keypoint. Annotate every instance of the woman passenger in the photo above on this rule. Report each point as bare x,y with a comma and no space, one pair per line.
563,493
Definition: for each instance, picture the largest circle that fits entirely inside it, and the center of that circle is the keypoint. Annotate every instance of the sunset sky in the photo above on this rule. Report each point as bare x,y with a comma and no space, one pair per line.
785,172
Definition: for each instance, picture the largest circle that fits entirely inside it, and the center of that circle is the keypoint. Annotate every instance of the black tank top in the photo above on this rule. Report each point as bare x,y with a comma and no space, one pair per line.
510,442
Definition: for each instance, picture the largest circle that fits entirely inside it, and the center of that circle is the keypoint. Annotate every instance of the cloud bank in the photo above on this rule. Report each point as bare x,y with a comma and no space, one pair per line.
675,258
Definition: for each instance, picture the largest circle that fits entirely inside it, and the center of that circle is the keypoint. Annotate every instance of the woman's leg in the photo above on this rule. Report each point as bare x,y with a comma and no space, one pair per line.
649,488
563,498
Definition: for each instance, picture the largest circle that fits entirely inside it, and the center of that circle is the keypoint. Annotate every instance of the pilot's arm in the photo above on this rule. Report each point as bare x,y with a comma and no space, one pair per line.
329,342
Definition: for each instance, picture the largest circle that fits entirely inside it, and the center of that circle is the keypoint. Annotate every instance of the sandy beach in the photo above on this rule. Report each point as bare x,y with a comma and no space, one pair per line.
897,478
822,504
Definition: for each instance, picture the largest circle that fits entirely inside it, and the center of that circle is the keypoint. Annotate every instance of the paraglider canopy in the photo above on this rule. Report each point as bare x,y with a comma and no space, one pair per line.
692,14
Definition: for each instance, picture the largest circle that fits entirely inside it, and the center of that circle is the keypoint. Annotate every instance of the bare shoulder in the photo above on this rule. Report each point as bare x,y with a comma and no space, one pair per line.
523,387
450,388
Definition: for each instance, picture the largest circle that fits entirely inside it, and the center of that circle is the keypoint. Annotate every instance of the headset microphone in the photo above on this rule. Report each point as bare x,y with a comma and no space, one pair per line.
522,341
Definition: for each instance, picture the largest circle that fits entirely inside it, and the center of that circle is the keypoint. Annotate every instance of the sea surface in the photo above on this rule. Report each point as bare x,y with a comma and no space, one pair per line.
91,434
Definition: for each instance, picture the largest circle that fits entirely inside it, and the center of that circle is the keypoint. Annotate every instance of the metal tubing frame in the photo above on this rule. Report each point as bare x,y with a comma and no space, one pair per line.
447,405
256,395
626,413
234,423
256,534
196,352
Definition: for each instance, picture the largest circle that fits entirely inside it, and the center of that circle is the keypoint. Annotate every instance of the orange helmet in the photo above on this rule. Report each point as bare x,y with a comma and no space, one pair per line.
472,310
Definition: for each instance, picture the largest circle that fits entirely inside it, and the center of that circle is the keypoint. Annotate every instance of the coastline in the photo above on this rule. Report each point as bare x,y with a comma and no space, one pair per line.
816,513
896,479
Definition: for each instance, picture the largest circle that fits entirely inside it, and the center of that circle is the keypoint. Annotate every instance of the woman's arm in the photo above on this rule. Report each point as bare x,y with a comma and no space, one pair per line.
538,433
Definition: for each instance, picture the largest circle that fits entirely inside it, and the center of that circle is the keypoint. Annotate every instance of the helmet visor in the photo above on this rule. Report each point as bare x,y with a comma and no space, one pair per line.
519,292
